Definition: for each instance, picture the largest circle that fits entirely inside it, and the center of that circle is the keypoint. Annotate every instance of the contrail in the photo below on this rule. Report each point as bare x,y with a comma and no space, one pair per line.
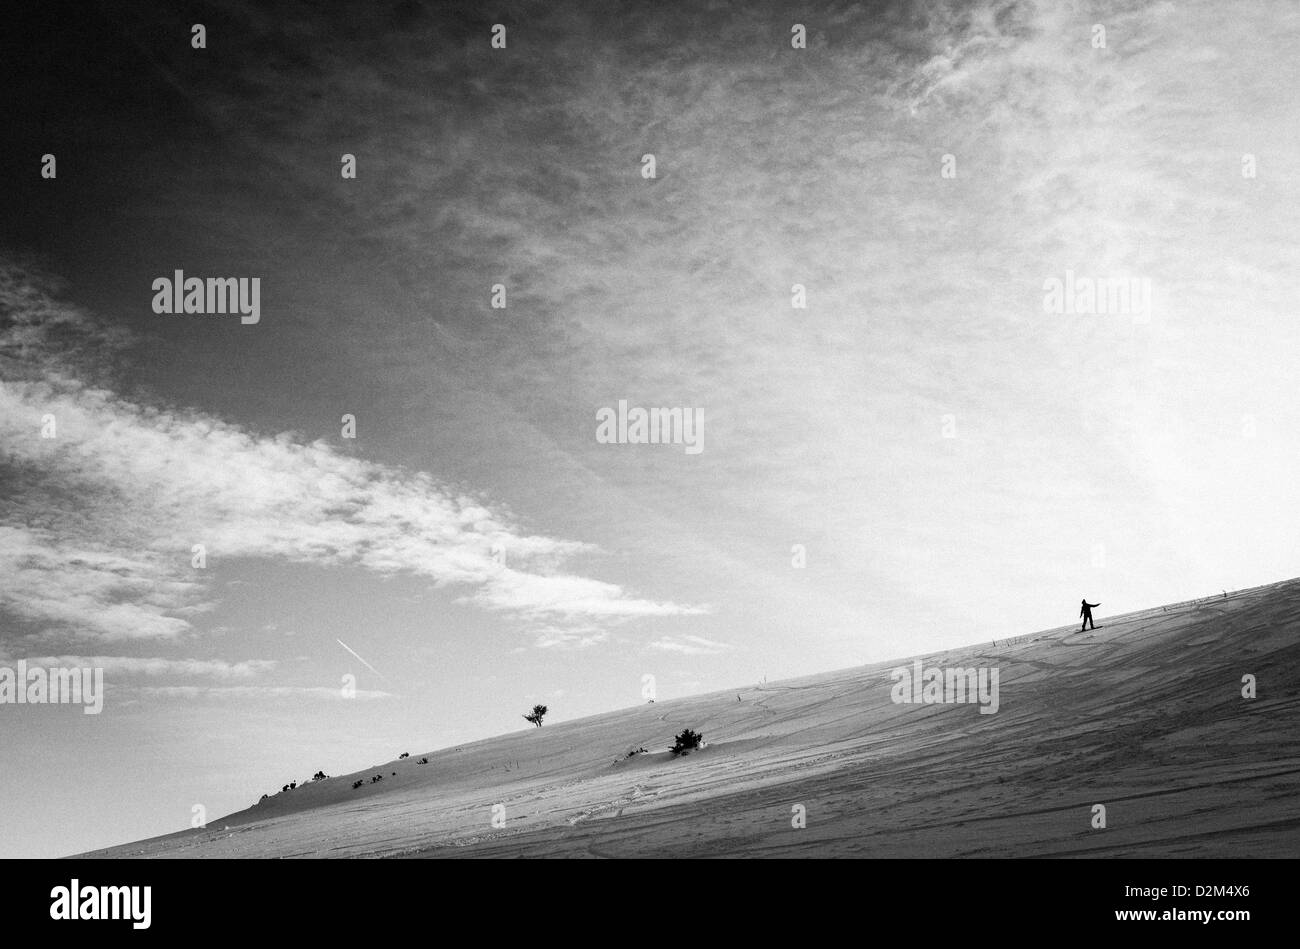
359,659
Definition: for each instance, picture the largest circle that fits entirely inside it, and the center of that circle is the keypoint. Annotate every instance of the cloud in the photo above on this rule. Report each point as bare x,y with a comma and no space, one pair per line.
97,533
689,645
78,584
568,596
569,637
151,666
255,692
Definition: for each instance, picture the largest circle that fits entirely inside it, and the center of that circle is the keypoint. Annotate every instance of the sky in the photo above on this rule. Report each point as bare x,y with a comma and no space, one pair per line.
925,454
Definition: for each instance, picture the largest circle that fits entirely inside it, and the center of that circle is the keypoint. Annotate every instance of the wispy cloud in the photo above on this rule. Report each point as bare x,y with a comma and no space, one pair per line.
689,645
255,692
99,526
153,666
569,637
79,583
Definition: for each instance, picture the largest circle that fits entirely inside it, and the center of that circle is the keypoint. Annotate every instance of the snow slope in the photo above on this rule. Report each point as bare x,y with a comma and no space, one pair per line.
1144,716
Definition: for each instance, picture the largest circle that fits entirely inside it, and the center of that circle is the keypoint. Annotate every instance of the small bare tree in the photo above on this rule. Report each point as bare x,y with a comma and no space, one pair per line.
687,742
536,715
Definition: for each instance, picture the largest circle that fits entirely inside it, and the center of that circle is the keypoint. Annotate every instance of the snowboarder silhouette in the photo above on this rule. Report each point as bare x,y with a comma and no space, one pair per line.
1086,613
